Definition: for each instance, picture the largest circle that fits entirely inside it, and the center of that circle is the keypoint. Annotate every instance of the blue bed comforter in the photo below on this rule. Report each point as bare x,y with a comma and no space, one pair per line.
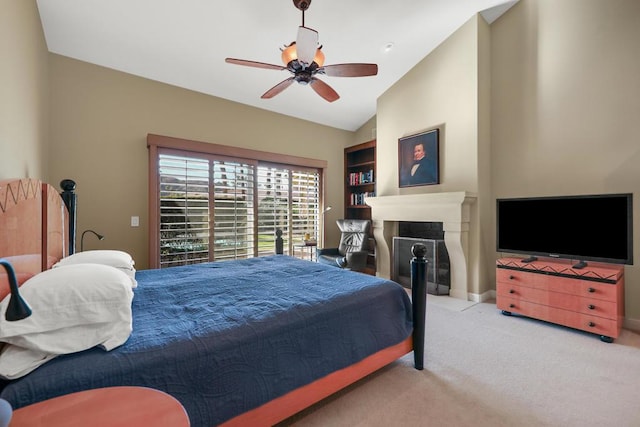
226,337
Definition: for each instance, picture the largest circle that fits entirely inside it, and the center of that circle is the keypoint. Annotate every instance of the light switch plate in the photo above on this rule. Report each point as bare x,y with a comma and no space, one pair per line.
135,221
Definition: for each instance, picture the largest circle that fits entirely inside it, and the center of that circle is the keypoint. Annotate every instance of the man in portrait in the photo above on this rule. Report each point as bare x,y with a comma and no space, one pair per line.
420,170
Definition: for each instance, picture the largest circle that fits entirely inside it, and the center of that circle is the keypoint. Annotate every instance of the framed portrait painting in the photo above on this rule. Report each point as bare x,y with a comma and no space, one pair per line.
418,159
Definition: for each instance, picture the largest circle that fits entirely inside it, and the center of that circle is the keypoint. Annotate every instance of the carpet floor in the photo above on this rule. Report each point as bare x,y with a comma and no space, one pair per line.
486,369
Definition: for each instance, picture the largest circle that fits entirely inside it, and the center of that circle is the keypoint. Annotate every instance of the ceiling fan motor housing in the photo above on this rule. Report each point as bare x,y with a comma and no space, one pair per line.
303,77
302,74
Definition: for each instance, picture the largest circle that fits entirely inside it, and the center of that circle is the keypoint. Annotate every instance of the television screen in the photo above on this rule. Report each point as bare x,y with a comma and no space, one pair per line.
584,228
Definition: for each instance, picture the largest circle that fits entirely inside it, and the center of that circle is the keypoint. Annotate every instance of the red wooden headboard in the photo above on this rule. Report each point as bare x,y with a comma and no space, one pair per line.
33,228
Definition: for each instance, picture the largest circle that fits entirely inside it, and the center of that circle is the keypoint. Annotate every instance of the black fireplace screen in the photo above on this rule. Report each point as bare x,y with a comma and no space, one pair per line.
438,272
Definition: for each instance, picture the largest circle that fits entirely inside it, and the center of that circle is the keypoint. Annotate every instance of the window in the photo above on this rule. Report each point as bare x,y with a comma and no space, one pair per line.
213,207
273,207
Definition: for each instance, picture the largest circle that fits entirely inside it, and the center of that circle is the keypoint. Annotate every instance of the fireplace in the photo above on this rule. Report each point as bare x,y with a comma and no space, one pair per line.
437,273
452,209
431,235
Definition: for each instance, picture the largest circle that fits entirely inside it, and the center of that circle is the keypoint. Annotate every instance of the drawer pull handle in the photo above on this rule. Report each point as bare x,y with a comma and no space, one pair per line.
512,305
591,306
511,291
591,324
591,290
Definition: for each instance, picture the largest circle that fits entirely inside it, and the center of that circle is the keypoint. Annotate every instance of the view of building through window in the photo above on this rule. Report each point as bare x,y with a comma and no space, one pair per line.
214,209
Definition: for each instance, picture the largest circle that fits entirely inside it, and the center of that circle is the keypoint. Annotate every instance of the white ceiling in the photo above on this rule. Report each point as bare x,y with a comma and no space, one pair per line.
184,43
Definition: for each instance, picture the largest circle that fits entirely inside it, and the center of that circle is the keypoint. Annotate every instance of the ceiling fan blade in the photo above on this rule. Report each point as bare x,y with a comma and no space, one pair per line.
278,88
306,44
323,89
254,64
349,70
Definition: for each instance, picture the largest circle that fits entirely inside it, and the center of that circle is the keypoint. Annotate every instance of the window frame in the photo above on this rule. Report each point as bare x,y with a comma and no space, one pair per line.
185,147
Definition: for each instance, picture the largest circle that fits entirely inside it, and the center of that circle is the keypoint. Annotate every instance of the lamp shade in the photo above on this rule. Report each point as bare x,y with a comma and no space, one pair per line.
290,54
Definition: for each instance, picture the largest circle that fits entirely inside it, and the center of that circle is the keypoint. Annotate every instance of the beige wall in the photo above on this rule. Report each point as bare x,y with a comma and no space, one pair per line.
24,91
443,90
565,114
100,120
366,132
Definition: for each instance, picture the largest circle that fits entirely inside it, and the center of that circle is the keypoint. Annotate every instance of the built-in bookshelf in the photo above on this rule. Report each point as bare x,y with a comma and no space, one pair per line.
360,182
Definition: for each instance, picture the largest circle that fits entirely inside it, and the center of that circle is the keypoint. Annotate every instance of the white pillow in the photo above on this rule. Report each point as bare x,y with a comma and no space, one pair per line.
74,308
114,258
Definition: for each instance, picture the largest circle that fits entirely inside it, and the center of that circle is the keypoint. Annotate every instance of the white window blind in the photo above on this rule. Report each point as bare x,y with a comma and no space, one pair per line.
215,209
233,211
184,210
305,202
273,207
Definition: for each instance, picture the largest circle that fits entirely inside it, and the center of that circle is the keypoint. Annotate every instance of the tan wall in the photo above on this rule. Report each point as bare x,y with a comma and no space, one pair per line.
366,132
24,91
441,91
565,114
100,120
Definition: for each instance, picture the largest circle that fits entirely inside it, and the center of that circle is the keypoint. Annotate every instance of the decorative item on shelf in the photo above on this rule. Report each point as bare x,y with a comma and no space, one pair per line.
308,241
99,236
18,308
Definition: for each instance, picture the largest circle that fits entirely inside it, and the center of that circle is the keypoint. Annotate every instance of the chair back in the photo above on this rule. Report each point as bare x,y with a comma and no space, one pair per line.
355,234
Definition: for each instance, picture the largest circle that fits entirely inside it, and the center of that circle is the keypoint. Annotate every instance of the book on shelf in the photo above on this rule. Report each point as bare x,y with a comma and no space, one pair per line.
358,178
357,199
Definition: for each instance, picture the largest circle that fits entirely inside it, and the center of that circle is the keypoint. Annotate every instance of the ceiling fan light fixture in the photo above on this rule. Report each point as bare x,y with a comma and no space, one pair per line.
319,58
291,54
308,63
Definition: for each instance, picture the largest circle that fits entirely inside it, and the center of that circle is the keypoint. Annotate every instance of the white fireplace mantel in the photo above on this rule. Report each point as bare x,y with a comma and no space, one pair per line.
452,209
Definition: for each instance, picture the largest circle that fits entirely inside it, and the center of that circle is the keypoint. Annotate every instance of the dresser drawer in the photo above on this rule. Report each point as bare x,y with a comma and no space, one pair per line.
589,306
589,299
566,285
589,323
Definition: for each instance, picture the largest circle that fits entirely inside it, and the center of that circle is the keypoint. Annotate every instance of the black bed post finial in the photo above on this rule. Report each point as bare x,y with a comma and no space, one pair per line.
279,242
419,302
70,199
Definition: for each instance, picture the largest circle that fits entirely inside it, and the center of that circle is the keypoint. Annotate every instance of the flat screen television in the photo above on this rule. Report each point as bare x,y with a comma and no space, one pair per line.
582,228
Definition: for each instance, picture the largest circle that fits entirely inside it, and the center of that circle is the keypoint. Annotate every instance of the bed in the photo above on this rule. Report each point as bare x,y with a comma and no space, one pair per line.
247,342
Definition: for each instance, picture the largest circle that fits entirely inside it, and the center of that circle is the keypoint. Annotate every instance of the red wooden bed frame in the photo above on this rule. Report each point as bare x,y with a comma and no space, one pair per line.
34,225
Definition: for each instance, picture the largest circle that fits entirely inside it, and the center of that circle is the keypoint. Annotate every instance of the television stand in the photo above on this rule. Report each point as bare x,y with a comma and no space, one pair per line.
590,299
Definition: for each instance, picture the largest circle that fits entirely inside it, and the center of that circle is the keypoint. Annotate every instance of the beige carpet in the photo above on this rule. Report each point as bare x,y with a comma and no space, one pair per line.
486,369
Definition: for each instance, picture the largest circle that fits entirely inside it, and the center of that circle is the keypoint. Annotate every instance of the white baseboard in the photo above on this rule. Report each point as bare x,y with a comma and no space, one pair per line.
483,297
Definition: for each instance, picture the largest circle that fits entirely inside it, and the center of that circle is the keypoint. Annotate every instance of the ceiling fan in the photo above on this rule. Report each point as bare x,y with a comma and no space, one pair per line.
304,59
